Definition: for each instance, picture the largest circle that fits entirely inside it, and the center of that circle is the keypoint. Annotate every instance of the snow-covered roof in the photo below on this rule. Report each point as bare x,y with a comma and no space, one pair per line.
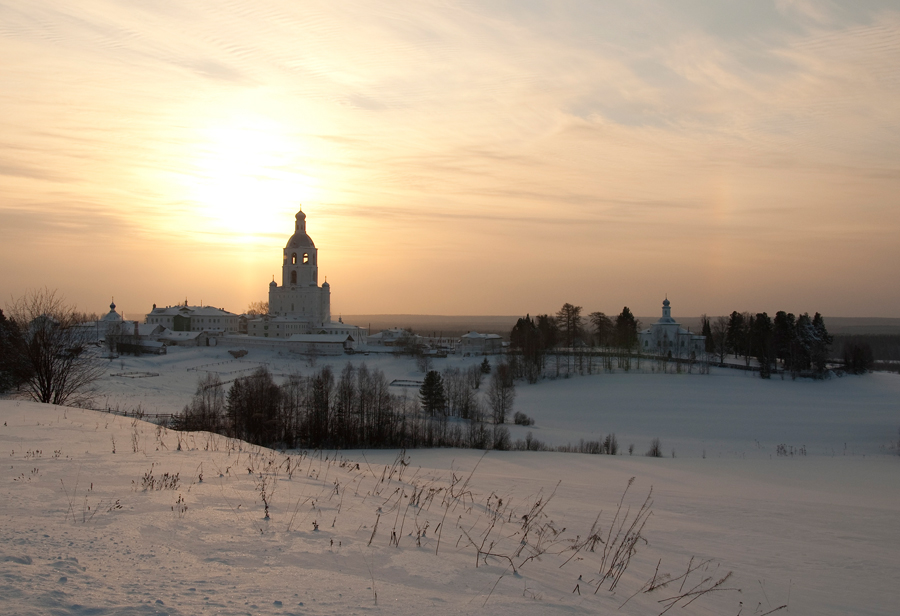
148,329
476,335
112,317
170,335
390,334
280,319
202,311
319,338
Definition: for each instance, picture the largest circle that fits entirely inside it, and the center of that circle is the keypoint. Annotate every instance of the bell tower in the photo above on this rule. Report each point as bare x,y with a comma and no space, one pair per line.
299,268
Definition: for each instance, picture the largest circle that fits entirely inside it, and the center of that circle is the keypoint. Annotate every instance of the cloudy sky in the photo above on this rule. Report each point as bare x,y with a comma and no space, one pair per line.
455,157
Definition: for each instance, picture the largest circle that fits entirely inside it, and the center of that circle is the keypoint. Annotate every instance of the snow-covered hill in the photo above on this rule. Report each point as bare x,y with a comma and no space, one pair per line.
108,515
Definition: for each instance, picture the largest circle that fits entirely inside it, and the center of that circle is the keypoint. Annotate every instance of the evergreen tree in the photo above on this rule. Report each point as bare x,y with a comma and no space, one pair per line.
821,347
485,367
706,331
431,394
802,344
761,343
626,330
734,336
10,343
782,336
527,343
549,332
748,338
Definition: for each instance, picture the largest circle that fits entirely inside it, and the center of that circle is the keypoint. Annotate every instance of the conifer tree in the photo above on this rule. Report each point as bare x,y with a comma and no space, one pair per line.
706,331
431,394
626,330
761,343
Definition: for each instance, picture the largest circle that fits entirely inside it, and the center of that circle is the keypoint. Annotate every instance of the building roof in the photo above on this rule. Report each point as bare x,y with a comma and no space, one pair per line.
191,311
112,316
170,335
300,239
476,335
334,338
390,334
287,318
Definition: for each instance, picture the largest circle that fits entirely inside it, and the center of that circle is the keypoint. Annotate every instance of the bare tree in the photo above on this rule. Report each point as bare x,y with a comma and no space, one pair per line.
257,309
53,354
720,337
603,328
568,320
206,410
501,393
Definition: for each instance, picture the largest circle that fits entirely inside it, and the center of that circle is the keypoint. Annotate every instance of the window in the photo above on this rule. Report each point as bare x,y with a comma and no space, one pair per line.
306,257
294,277
294,259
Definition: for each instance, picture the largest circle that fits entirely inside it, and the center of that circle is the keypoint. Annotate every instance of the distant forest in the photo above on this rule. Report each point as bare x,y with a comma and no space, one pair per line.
884,347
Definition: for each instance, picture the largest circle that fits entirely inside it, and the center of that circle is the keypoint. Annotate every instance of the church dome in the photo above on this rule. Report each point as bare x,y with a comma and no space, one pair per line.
112,315
300,239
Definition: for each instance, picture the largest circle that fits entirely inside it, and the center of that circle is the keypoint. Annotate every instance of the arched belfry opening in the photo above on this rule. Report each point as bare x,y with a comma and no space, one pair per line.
294,277
294,259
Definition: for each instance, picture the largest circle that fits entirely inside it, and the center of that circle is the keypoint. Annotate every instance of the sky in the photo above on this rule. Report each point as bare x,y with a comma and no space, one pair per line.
455,157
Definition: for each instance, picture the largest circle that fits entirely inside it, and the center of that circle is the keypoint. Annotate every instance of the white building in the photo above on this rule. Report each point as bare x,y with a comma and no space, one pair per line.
185,318
300,295
299,306
667,337
395,336
111,324
474,343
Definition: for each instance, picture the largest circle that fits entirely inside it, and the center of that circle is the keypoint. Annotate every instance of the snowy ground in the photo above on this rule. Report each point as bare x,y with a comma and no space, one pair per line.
728,413
79,534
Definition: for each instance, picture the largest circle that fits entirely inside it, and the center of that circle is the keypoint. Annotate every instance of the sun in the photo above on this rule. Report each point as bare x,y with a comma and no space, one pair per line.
247,176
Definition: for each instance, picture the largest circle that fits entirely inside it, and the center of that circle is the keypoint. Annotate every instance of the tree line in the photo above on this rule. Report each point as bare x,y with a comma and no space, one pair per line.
354,409
797,345
532,339
800,345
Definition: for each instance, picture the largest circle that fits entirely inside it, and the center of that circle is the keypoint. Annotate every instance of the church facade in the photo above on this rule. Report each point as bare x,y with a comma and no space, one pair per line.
299,307
667,337
299,295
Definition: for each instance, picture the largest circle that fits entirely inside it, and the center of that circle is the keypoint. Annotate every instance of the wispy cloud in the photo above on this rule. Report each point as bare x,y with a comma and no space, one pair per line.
691,130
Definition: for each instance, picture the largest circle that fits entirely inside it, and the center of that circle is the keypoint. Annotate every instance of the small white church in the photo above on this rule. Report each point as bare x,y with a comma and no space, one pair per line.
667,337
299,307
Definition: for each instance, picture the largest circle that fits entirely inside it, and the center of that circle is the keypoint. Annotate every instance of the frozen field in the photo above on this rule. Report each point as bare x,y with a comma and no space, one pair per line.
728,413
818,533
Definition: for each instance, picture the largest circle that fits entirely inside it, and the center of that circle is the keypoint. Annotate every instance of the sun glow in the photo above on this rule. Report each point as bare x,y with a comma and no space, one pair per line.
248,176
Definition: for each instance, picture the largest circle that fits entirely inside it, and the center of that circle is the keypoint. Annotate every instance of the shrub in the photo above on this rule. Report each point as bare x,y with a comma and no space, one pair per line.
655,450
521,419
485,366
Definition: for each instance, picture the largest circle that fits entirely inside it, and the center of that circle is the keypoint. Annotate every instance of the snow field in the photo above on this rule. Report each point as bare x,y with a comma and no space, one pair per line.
818,533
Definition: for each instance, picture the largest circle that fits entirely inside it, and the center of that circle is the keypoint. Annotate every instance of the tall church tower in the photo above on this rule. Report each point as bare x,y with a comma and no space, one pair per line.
300,295
300,257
